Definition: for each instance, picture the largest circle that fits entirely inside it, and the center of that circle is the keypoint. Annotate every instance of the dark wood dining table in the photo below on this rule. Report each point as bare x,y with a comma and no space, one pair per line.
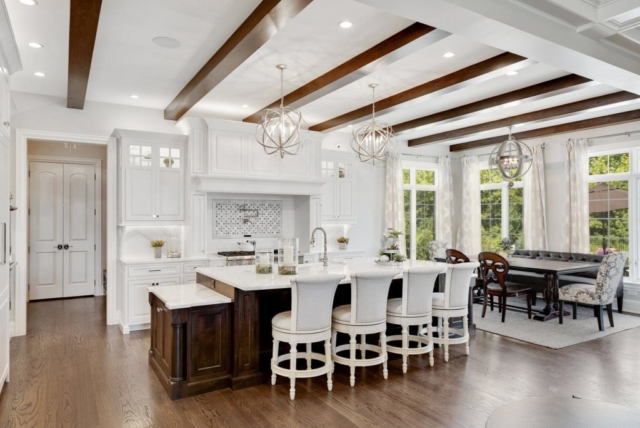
551,270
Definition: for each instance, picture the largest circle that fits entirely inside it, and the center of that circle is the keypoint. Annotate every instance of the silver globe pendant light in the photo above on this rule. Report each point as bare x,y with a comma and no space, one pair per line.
281,130
511,158
373,141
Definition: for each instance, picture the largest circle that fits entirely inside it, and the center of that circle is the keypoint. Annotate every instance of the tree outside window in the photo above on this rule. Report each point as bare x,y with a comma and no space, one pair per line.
609,204
501,210
420,210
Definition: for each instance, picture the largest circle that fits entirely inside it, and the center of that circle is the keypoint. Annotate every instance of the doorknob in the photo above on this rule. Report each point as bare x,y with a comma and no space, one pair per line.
59,247
67,246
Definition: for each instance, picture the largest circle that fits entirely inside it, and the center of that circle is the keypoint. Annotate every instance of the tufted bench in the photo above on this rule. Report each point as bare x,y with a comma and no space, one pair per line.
538,282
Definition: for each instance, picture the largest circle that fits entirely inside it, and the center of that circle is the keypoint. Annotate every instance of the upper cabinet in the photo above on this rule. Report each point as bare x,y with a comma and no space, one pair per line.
236,163
339,193
152,183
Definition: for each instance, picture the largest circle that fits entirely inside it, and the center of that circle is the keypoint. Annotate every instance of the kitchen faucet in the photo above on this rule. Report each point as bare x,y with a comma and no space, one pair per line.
324,259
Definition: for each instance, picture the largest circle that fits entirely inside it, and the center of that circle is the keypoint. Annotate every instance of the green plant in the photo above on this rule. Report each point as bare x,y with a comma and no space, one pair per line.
508,244
394,233
157,243
399,258
168,161
343,240
394,247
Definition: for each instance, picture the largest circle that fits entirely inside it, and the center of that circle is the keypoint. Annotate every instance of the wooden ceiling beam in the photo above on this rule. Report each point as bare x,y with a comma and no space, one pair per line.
534,116
83,27
406,42
475,73
264,22
581,125
536,92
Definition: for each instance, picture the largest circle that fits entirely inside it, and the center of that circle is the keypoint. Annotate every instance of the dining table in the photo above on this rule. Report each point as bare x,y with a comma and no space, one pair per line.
551,270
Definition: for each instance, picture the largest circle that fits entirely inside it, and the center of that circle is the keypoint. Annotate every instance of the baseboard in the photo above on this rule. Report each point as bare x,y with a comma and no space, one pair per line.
631,306
126,329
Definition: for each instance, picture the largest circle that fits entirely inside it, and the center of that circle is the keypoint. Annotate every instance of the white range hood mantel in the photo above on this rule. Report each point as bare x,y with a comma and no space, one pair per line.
258,185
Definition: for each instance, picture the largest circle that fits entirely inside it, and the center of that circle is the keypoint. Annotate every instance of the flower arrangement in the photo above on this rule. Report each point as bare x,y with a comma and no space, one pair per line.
602,252
394,233
159,243
508,244
399,258
343,240
168,162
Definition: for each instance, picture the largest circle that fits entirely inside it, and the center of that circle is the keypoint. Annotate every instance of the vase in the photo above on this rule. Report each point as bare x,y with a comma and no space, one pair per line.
342,245
158,252
288,256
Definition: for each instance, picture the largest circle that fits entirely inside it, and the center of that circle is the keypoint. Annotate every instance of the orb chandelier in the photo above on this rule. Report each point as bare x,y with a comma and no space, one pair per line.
281,130
373,141
511,158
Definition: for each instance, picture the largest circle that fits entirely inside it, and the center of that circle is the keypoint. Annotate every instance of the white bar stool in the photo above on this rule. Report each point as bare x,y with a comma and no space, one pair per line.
309,321
453,303
367,314
414,309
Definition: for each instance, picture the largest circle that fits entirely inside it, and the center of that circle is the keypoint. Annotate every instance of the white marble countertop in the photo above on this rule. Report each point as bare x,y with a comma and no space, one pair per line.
152,260
187,296
245,277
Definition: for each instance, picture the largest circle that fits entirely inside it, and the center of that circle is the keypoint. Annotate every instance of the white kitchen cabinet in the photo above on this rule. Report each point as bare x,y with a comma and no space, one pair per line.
152,168
304,165
339,194
315,219
137,277
260,163
227,154
5,99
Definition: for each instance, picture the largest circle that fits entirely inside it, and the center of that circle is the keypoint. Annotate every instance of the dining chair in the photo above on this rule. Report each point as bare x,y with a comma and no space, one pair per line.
494,269
413,309
601,294
454,303
308,321
367,314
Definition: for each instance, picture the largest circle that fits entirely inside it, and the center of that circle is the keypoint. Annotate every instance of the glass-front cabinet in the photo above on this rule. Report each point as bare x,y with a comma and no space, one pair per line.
152,180
338,194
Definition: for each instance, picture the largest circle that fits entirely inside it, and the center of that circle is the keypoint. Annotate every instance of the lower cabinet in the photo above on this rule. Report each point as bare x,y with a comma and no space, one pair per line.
191,348
137,306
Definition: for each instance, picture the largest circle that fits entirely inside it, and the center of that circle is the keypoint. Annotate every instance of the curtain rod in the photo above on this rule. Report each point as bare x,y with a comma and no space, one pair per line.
620,134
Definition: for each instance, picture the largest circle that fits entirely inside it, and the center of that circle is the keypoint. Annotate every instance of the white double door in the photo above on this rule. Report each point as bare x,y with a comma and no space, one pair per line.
62,230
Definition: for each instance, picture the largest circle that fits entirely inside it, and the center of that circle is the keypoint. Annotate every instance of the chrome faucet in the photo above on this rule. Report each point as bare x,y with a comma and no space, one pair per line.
324,259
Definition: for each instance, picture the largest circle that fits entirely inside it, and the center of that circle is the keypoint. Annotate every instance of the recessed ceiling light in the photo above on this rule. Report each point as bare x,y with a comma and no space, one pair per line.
39,74
29,2
134,96
449,54
245,106
166,42
35,45
512,73
346,24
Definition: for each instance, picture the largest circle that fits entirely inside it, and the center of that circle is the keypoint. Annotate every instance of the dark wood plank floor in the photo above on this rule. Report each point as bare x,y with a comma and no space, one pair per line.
71,370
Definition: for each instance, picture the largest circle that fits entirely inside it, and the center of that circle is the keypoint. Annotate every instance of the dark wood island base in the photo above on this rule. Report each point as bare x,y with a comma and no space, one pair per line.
191,348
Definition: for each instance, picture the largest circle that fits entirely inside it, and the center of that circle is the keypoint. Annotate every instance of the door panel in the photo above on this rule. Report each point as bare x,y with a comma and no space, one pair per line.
4,257
170,194
139,194
79,230
46,230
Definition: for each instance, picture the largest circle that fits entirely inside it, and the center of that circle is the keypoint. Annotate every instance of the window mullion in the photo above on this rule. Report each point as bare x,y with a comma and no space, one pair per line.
412,250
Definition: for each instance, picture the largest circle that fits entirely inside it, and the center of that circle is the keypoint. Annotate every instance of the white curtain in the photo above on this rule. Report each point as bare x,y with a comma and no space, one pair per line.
394,198
469,240
444,183
576,212
534,195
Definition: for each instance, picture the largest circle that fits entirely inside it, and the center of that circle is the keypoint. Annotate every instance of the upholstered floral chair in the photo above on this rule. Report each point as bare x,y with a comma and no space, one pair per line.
437,249
601,294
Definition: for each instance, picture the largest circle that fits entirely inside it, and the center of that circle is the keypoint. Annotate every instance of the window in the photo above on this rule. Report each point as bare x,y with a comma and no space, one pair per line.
609,177
501,210
420,210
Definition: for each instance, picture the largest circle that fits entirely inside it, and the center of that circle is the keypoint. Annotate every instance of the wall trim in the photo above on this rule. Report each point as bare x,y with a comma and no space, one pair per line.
22,136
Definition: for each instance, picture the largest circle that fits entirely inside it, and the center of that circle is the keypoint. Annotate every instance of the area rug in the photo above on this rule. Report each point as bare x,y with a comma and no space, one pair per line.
551,334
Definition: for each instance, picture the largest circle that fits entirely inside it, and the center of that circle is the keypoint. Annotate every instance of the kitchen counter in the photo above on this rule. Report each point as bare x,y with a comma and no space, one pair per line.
187,296
245,278
153,260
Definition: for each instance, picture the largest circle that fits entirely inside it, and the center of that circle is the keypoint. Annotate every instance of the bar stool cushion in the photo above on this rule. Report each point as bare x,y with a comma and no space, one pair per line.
394,306
282,322
342,315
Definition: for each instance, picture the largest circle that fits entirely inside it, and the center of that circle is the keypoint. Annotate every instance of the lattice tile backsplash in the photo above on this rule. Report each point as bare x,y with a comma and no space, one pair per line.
238,218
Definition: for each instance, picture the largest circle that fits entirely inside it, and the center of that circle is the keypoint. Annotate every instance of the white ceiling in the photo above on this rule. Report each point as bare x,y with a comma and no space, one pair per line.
126,61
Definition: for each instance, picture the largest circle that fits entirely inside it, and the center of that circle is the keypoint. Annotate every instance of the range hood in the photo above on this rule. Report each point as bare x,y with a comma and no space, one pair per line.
258,185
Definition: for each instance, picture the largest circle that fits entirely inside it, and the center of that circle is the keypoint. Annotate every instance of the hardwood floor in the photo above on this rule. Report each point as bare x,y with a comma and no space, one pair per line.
71,370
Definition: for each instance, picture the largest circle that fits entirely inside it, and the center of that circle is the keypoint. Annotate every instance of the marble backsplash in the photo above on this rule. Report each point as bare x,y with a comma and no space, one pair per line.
135,241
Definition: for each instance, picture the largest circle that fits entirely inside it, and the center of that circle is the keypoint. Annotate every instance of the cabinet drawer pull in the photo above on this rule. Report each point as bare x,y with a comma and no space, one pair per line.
155,270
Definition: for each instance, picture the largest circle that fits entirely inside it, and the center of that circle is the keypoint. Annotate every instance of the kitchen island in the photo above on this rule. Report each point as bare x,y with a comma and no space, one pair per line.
257,298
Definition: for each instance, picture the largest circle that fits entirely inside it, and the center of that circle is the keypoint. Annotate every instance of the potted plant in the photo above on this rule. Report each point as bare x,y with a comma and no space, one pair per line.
395,233
343,242
507,246
157,247
168,162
